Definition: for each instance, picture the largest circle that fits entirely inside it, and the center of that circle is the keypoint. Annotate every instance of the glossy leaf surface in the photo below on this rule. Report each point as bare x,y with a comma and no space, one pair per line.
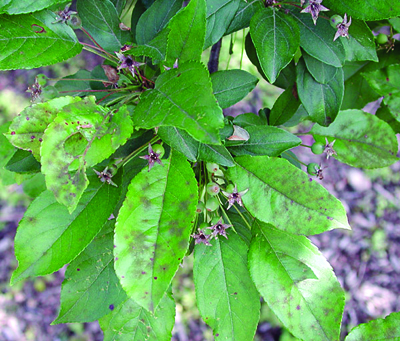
155,19
130,321
100,19
297,283
226,296
365,10
48,237
284,108
27,129
266,140
153,228
182,98
231,86
361,139
186,39
82,135
29,41
26,6
23,161
276,38
317,40
375,330
322,101
91,289
282,195
321,72
243,15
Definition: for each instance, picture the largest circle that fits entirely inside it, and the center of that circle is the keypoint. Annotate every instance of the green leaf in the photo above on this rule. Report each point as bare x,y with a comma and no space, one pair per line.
119,5
178,101
284,108
48,237
26,6
231,86
82,135
385,82
390,117
23,161
361,43
27,129
240,225
100,19
155,19
219,16
276,38
317,40
362,140
322,101
194,150
188,29
153,229
297,283
91,289
322,73
248,119
226,296
130,321
155,49
375,330
243,15
80,82
23,48
282,195
7,150
34,185
266,140
365,10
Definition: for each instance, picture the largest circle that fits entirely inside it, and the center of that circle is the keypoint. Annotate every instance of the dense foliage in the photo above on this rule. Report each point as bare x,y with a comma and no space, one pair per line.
142,169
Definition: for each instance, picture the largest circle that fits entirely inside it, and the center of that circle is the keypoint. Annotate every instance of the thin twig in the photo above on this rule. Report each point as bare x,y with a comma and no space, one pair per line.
214,57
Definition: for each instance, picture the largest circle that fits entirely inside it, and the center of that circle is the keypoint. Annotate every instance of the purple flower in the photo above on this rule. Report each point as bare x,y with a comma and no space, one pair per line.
235,196
219,229
152,158
105,176
35,89
200,237
64,15
343,28
314,7
329,148
127,62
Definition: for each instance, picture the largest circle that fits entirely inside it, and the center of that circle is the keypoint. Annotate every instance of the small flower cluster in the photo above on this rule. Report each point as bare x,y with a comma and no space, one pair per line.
218,229
64,15
152,157
35,89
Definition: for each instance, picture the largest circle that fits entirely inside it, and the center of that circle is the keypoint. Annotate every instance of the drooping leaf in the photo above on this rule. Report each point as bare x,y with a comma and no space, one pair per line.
282,195
284,108
188,29
276,38
243,15
48,237
23,161
266,140
27,129
361,44
375,330
177,100
322,73
82,135
365,10
226,296
231,86
100,19
317,40
194,150
153,229
361,139
29,41
219,16
297,283
322,101
155,19
119,5
91,289
130,321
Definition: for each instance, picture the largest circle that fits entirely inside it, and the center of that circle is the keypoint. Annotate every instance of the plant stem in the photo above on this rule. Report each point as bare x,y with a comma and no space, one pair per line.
297,160
136,152
96,43
242,216
214,57
305,145
222,208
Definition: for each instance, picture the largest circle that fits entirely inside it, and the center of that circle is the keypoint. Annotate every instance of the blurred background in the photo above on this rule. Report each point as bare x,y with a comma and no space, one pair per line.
366,260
